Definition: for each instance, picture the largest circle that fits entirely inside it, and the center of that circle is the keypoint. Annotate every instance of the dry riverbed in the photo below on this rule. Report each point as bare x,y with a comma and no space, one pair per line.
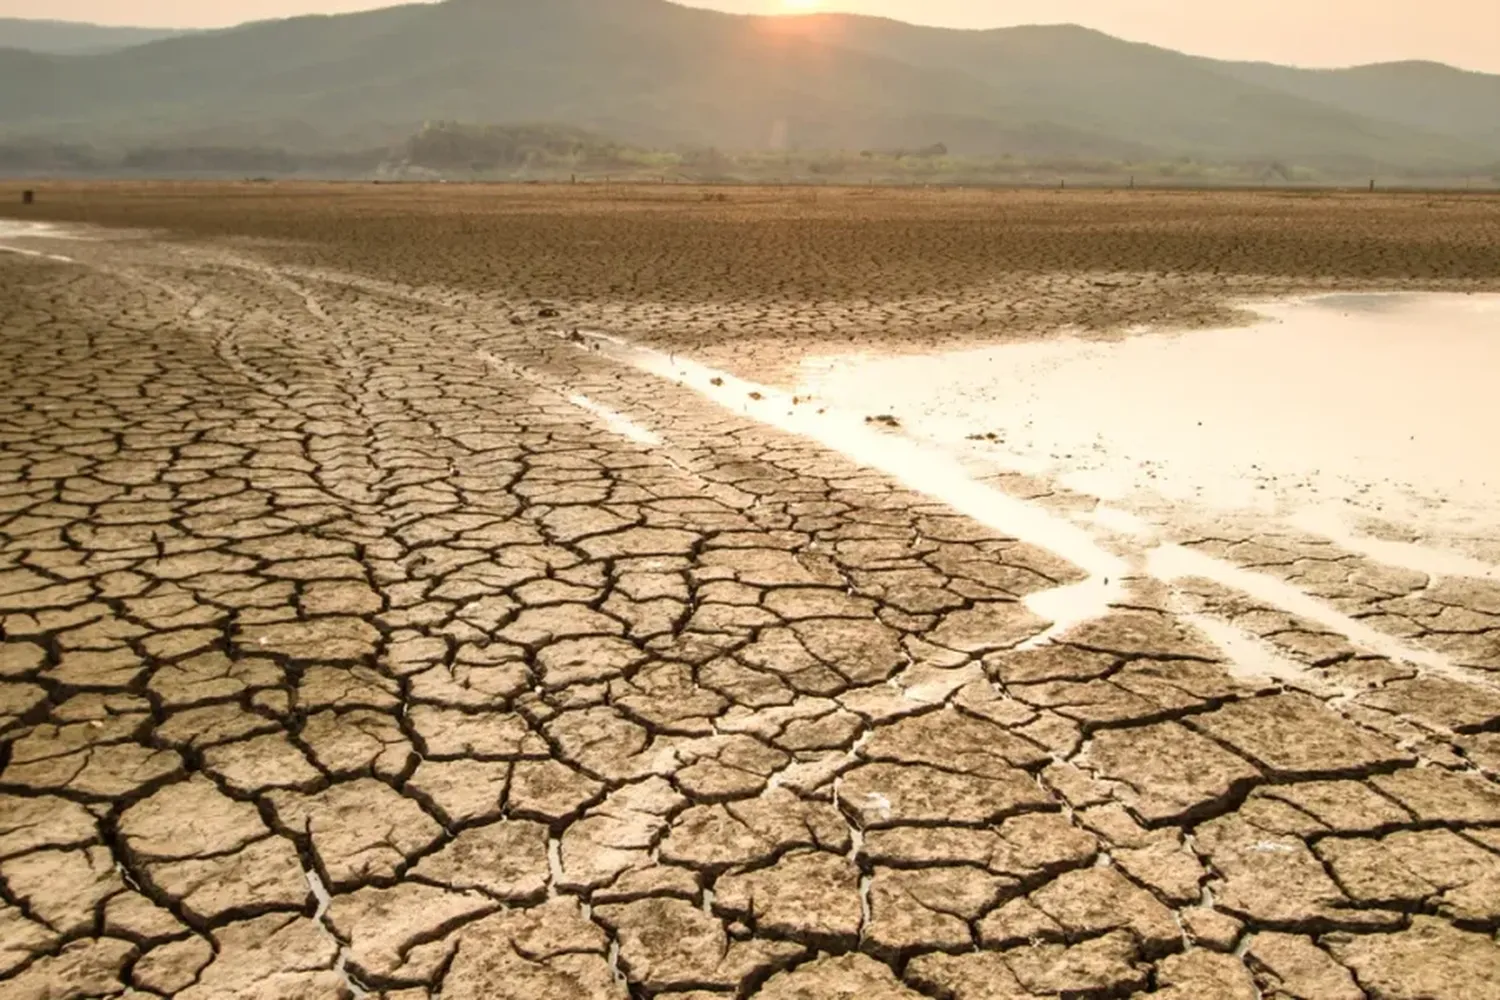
517,593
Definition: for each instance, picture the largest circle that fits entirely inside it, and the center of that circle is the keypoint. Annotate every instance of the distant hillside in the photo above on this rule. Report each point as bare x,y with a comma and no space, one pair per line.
655,74
70,38
1422,95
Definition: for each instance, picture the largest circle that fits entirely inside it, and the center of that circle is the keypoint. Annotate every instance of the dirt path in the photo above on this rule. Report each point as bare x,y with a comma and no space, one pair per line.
371,639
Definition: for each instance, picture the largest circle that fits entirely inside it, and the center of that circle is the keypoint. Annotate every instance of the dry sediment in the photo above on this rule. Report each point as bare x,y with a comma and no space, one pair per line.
757,280
347,651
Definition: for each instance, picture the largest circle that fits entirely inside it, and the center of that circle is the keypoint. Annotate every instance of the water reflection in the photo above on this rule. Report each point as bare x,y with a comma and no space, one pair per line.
1379,405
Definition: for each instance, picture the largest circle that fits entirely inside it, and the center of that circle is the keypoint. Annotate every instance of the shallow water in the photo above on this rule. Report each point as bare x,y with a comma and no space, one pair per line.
917,455
11,229
934,472
1323,415
1335,407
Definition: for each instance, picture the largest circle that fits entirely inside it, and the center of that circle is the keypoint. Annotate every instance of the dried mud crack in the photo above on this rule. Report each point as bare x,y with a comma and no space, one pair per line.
364,639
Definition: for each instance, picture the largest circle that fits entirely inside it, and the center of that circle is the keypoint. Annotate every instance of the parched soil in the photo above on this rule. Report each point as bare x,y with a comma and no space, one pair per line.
365,634
778,272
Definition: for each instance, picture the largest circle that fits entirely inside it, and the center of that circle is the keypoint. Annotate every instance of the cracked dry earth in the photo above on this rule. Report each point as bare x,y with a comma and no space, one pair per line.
355,645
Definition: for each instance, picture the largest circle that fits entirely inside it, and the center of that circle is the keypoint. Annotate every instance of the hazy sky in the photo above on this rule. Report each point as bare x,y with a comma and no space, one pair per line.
1303,32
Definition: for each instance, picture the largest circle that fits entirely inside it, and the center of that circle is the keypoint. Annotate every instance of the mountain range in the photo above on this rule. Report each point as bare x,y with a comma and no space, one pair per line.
654,73
68,38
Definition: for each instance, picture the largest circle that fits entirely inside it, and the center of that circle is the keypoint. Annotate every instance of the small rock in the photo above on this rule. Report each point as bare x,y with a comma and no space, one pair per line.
843,978
1289,965
1197,974
1211,929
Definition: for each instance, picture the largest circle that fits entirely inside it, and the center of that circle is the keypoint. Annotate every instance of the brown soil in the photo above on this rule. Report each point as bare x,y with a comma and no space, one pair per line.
830,268
348,648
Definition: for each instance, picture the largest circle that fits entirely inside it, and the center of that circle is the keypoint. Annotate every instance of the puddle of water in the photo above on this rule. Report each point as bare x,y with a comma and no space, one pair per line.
941,472
1251,658
1403,555
617,422
610,420
1379,404
25,228
320,893
1071,605
914,463
23,252
20,229
1121,522
1173,562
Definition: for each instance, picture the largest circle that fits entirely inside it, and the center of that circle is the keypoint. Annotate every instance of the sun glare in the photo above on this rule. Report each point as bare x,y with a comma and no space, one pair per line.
801,6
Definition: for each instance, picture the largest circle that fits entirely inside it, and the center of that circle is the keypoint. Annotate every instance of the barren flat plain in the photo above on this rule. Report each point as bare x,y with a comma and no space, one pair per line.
535,592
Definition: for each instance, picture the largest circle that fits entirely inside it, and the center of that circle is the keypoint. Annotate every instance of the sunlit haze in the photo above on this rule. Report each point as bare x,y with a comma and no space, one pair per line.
1299,32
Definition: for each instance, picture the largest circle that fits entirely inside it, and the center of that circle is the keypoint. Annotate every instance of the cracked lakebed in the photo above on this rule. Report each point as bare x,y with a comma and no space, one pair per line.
369,640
